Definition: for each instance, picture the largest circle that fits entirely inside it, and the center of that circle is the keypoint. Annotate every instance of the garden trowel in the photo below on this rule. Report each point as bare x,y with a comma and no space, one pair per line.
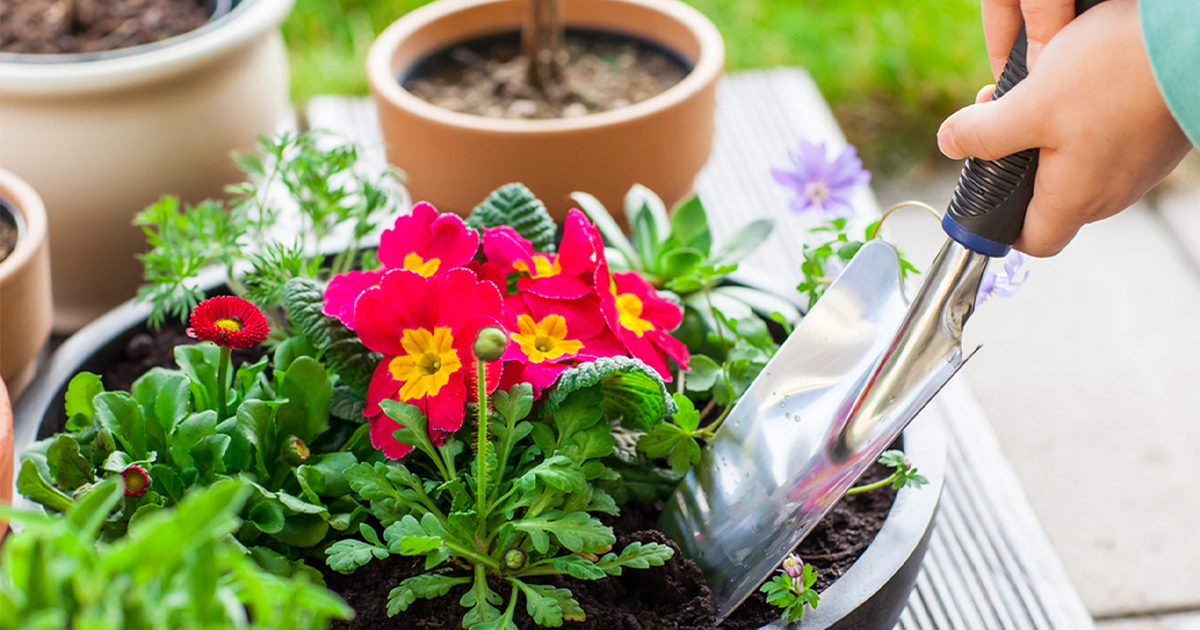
853,374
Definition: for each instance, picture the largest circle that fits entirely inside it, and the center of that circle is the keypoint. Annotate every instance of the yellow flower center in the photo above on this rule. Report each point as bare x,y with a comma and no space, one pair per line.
545,340
414,262
232,324
629,309
429,361
543,266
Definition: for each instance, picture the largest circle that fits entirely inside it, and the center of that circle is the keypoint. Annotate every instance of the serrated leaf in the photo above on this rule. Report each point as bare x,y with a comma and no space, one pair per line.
346,556
548,605
482,602
703,373
631,390
687,418
411,537
558,472
672,442
515,403
579,567
515,205
347,405
635,555
345,354
579,532
425,586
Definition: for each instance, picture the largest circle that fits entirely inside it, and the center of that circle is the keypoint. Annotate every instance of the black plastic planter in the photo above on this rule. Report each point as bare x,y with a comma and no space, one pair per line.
871,595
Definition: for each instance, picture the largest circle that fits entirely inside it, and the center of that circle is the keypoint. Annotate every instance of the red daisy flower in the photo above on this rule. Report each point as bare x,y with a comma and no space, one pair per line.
565,275
425,327
424,242
641,319
136,479
228,321
550,336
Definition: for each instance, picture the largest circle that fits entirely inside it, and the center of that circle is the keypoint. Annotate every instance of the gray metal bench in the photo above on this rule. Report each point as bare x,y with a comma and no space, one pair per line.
989,565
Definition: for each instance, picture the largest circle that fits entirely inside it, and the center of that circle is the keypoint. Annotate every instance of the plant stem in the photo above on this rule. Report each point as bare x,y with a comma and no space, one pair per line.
716,322
222,387
708,431
481,452
876,485
903,204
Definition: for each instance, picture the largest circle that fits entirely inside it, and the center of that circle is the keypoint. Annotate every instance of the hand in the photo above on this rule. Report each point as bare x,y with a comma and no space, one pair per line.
1002,20
1092,106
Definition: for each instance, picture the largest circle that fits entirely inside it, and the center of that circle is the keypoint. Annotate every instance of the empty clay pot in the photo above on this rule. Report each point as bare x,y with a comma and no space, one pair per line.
454,160
24,287
103,135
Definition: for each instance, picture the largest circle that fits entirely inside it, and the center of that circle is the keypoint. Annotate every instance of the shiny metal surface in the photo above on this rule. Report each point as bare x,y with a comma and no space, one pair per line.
852,375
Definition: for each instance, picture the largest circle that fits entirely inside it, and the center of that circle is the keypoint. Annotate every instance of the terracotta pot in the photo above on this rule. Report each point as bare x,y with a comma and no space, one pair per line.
103,135
454,160
6,453
24,286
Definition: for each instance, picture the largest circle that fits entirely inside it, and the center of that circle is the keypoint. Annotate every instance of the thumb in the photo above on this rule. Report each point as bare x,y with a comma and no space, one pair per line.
993,129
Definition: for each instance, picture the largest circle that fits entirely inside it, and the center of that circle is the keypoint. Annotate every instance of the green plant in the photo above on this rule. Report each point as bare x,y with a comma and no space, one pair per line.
792,588
522,506
177,568
905,474
174,431
295,175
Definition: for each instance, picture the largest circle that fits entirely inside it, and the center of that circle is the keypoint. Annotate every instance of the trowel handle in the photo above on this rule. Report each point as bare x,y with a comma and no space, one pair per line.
988,209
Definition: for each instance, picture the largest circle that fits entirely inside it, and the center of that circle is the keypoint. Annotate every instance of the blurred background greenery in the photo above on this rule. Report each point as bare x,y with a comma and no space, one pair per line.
891,70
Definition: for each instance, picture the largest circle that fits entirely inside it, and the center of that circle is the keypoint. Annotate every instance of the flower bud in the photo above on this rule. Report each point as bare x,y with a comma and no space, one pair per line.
793,566
295,451
137,481
490,344
515,559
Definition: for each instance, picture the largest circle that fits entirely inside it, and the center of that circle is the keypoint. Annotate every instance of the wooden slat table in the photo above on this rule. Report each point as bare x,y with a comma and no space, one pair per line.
989,565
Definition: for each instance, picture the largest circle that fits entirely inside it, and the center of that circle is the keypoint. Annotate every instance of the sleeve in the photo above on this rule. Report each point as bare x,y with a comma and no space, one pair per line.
1171,29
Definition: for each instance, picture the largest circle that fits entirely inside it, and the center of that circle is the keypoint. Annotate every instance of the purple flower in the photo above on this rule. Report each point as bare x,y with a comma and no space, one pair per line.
818,183
1005,283
792,566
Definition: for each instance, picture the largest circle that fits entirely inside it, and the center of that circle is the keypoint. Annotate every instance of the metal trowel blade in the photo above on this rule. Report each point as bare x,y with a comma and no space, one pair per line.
790,447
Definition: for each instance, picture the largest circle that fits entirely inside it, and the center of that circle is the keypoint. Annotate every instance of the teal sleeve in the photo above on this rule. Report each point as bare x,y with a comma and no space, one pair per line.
1171,29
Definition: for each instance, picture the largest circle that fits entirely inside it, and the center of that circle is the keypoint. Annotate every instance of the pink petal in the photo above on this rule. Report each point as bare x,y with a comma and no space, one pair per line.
451,242
576,253
557,287
409,234
504,246
404,300
343,291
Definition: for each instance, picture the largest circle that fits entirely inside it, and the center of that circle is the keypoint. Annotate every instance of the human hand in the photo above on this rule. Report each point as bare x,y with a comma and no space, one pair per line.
1002,20
1094,109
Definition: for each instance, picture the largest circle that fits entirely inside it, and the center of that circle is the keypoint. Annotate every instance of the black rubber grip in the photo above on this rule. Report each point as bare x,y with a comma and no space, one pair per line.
992,195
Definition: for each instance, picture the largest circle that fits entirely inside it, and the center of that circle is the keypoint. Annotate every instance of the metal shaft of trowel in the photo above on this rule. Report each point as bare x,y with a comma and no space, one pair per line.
928,341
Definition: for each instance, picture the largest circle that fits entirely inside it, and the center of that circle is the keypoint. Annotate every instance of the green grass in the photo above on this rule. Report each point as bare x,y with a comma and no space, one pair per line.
891,70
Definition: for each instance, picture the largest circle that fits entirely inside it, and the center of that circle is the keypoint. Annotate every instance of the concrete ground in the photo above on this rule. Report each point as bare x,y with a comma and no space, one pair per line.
1091,378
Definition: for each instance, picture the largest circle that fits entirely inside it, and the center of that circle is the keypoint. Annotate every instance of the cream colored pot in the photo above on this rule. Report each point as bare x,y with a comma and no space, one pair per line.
24,289
453,160
103,135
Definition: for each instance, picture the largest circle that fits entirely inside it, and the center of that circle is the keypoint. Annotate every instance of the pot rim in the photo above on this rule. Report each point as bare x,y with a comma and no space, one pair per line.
31,222
385,84
23,76
904,533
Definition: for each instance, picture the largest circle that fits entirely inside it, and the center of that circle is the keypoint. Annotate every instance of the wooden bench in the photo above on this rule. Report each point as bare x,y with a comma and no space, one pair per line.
989,565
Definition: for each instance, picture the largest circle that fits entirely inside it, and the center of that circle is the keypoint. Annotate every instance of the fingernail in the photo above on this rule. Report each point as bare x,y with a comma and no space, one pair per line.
945,138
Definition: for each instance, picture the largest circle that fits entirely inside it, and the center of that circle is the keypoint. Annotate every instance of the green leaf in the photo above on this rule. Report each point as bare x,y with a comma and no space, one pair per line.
578,567
291,349
308,392
557,472
70,469
515,206
266,515
409,537
515,403
635,555
426,586
189,434
298,505
34,487
303,530
688,418
672,442
743,242
703,375
481,601
120,413
200,363
86,516
689,225
547,605
165,397
679,262
578,532
345,354
346,556
632,390
83,388
643,207
347,405
607,225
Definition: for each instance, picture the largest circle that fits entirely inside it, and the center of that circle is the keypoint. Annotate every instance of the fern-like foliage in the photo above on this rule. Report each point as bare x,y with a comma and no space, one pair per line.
353,362
629,389
515,206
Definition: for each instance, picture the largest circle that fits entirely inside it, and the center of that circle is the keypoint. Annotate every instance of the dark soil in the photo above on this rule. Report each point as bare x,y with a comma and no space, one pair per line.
671,597
78,26
8,230
489,77
156,348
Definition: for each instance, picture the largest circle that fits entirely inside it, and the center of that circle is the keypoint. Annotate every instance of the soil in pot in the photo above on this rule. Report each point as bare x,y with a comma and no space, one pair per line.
156,348
671,597
79,26
489,77
8,230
